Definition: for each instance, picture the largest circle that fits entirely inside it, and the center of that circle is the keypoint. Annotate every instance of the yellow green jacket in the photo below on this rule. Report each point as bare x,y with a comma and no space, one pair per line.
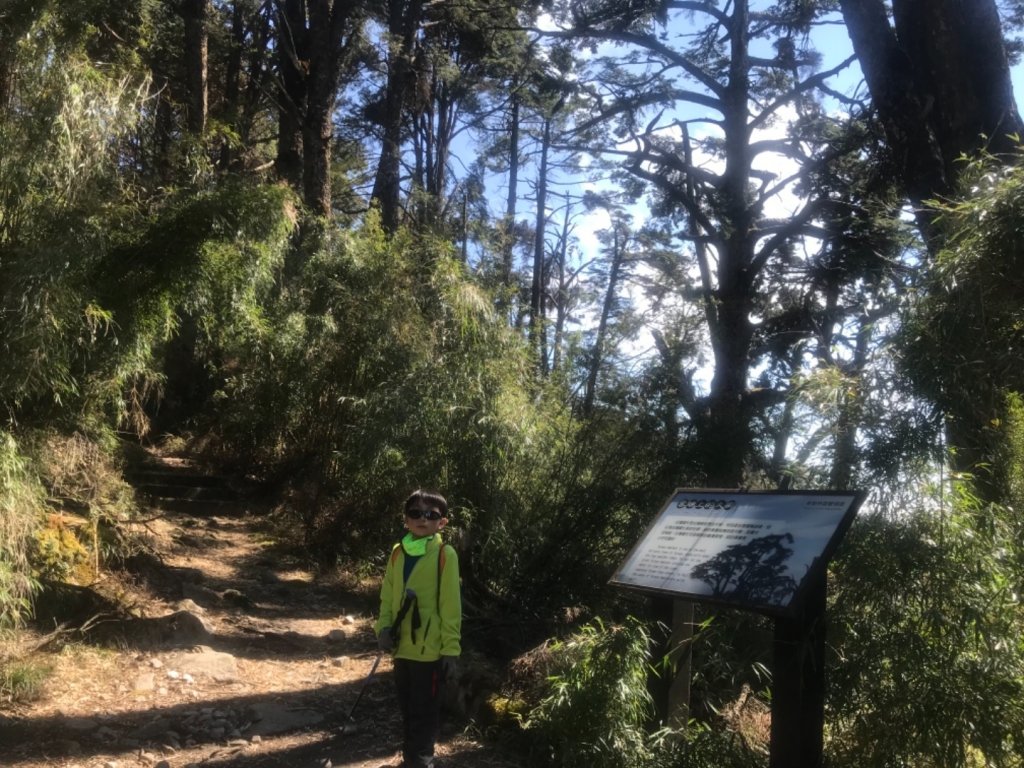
440,628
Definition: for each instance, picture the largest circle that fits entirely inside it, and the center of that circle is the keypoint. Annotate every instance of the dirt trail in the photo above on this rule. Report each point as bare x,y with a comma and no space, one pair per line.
257,663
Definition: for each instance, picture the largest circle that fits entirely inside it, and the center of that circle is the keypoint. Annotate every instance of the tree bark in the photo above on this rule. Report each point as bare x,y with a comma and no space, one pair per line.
562,295
195,13
940,81
725,434
328,25
597,354
509,222
537,285
403,20
292,65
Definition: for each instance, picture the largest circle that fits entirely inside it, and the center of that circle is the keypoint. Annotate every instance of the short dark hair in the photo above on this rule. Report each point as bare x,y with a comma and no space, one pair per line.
432,498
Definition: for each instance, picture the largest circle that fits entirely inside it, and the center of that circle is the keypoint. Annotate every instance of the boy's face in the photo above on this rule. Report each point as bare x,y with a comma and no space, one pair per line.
423,519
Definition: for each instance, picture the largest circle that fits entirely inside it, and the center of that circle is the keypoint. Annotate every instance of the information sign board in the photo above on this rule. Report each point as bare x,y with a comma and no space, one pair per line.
752,550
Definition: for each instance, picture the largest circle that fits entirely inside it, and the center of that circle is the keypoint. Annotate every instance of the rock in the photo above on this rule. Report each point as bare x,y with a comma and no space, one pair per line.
179,628
80,724
152,730
155,663
191,606
337,636
145,683
236,597
273,718
350,619
205,662
340,661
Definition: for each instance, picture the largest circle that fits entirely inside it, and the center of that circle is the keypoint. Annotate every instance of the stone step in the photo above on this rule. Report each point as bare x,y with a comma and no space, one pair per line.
201,507
177,484
167,476
186,491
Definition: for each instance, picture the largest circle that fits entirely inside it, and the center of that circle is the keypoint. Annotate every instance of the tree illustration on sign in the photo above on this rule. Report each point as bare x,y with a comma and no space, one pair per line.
753,572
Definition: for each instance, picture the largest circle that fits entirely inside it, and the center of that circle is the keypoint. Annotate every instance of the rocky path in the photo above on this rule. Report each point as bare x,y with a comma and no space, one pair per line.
241,657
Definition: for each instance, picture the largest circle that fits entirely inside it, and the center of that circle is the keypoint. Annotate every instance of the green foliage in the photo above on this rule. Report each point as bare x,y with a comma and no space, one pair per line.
20,513
1014,451
926,621
964,339
380,369
95,277
598,709
573,505
59,188
57,552
21,681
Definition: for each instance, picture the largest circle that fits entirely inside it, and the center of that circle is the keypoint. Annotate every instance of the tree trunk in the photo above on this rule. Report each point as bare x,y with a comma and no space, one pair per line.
844,460
562,296
232,82
725,436
292,60
195,13
597,354
939,81
403,21
537,286
508,225
327,21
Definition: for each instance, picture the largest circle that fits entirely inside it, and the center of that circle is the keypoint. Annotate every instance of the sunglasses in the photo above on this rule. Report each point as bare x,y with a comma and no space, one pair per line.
429,514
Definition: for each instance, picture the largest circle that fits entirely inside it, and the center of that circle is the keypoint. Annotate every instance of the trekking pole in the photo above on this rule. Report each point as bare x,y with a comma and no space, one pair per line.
350,726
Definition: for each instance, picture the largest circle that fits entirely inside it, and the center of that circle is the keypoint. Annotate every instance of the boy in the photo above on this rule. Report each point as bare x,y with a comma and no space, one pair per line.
421,622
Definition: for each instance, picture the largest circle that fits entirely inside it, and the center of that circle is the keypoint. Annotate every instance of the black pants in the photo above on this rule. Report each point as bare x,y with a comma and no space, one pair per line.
419,698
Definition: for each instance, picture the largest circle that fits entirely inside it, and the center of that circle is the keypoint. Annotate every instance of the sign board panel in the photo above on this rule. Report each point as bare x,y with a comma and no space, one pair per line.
750,550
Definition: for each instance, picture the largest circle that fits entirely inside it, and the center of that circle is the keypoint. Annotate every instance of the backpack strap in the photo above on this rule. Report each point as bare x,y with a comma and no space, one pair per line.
395,550
440,568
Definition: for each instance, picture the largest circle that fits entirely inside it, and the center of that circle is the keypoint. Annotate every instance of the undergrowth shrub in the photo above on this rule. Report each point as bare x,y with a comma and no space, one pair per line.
382,368
598,708
926,623
21,503
598,712
88,502
22,681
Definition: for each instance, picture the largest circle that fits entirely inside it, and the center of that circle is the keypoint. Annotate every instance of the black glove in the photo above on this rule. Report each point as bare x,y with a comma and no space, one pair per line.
385,641
449,667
